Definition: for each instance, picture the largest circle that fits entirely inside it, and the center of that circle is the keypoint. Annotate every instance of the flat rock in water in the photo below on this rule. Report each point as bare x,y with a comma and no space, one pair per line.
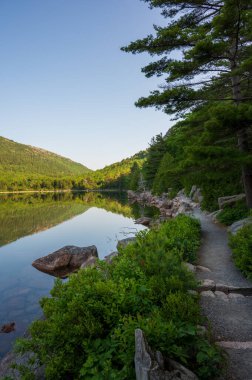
8,327
66,260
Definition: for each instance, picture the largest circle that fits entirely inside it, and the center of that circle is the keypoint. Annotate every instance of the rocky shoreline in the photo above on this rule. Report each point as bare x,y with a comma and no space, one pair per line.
169,208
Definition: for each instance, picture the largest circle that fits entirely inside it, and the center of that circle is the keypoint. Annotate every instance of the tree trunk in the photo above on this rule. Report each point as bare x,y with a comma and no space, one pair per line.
242,137
243,141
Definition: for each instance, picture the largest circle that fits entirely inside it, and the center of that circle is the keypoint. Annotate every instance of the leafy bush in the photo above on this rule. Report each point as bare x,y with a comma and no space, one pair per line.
241,245
232,214
88,330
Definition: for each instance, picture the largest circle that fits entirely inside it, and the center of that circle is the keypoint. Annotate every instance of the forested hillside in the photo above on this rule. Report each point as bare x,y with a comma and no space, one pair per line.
26,166
23,167
119,175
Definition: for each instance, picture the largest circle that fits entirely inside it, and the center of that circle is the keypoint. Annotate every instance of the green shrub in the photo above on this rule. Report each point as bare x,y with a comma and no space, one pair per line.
231,214
241,245
88,330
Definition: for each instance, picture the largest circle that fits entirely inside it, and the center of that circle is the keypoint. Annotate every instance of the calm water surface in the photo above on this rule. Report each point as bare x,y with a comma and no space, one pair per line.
35,225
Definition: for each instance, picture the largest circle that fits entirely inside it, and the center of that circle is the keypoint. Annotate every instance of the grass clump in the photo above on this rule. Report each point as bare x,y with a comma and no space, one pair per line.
231,214
88,330
241,245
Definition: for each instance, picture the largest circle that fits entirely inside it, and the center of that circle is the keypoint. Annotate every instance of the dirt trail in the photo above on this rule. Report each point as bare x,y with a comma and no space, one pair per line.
230,315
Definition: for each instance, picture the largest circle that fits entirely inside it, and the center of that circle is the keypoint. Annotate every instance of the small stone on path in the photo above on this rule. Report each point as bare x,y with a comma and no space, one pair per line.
207,293
207,285
221,295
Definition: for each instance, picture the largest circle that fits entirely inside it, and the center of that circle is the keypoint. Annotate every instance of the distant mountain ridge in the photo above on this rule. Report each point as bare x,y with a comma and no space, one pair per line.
20,159
27,168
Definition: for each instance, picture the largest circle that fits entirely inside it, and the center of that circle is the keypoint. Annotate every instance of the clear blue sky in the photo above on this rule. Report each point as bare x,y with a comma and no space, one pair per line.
64,83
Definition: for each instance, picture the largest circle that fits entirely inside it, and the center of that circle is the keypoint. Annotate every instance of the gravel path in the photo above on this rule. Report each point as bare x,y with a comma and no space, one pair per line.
216,255
230,315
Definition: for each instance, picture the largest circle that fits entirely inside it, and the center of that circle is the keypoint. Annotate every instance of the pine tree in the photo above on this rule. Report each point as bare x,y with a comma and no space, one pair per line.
154,156
205,51
134,177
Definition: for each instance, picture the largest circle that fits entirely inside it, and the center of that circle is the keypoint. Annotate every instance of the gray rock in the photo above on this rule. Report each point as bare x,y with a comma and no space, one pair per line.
131,194
235,227
200,268
221,296
214,215
150,366
222,288
193,189
197,196
223,201
144,361
181,193
165,205
190,267
192,292
66,260
11,358
90,262
178,371
144,221
207,293
206,285
235,296
124,242
110,257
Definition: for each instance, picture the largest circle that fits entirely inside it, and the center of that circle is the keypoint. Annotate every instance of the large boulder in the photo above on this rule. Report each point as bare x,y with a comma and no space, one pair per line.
230,200
66,260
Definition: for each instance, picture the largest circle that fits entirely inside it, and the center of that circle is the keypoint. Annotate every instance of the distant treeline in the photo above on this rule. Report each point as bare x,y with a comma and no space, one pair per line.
115,176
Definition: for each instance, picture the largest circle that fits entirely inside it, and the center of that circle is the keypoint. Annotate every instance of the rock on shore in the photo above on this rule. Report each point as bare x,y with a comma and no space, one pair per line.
169,208
152,365
66,260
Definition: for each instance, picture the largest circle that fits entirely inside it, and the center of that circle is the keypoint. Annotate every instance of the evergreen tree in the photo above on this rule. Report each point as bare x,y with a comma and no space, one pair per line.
166,176
205,54
154,156
134,177
201,152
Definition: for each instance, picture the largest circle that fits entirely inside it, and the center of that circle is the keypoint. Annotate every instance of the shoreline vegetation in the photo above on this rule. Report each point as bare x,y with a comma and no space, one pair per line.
63,191
104,305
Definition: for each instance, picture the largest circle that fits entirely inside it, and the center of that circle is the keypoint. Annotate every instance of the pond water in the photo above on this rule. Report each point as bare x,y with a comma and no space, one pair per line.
34,225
